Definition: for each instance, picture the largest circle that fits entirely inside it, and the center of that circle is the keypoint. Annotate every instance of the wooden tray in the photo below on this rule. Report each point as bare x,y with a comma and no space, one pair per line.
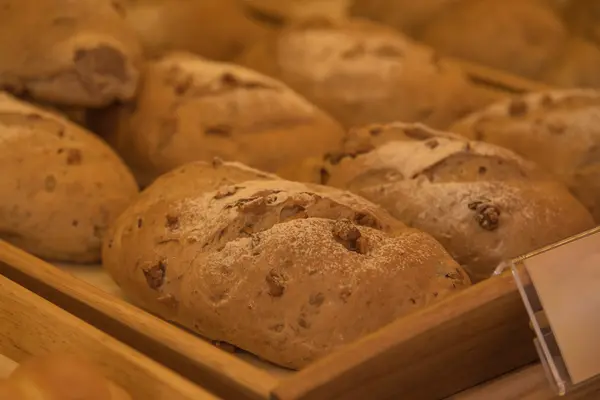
30,325
458,343
529,383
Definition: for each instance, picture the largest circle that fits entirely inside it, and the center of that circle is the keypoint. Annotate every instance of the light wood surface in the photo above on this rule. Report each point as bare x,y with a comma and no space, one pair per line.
30,325
6,366
458,343
527,384
212,368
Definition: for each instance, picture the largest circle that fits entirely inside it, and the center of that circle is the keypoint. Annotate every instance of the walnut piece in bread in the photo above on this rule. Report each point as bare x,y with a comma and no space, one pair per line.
559,130
284,270
190,109
522,37
59,377
484,203
72,53
362,73
61,185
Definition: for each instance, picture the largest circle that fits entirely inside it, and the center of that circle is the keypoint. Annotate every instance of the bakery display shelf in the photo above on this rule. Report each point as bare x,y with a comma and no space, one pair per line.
33,326
529,383
458,343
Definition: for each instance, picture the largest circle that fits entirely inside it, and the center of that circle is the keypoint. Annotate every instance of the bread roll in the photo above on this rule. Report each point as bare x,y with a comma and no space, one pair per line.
284,270
61,186
59,378
191,109
520,36
577,67
362,73
483,203
74,53
559,130
216,29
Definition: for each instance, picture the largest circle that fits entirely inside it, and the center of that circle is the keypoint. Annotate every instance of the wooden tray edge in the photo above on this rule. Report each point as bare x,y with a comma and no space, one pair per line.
45,328
450,343
184,353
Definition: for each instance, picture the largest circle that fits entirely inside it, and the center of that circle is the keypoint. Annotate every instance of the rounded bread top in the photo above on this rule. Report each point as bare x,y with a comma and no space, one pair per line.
298,258
484,203
190,108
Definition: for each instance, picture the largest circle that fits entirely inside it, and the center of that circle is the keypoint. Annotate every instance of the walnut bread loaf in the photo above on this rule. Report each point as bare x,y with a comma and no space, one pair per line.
192,109
361,73
559,130
484,203
61,185
78,53
285,270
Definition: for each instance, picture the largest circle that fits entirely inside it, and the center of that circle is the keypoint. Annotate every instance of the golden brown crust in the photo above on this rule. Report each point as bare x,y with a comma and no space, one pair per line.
218,30
523,37
192,109
68,53
362,73
483,203
284,270
558,130
61,185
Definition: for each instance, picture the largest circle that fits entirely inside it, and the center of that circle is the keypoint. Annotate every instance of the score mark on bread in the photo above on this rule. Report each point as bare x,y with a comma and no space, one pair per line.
480,201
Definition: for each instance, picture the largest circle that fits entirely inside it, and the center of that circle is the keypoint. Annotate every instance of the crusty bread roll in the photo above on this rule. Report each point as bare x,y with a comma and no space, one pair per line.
74,53
61,186
520,36
559,130
59,378
287,271
216,29
362,73
190,108
482,202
